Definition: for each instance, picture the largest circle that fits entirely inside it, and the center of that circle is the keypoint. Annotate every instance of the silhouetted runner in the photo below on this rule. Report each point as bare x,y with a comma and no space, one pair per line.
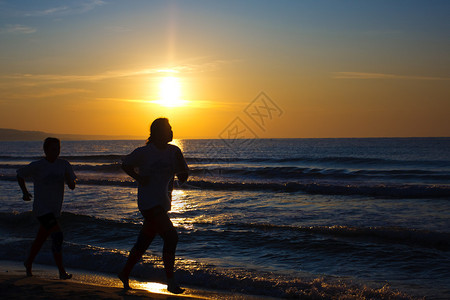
154,166
49,175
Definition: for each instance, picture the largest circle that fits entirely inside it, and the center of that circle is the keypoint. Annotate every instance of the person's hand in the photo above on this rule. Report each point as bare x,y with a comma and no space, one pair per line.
71,184
26,196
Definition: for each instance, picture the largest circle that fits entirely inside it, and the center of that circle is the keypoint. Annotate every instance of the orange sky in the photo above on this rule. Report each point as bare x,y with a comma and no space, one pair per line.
331,70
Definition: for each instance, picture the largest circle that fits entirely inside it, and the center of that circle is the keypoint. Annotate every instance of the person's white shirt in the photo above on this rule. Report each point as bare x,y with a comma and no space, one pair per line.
48,178
160,166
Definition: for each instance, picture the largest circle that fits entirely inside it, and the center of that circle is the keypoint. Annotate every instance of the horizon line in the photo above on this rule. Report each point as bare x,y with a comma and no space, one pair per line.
111,137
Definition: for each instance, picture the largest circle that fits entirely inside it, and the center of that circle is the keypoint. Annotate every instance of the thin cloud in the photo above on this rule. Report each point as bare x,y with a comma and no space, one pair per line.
48,12
362,75
52,92
60,92
58,78
187,103
79,7
17,29
25,78
204,64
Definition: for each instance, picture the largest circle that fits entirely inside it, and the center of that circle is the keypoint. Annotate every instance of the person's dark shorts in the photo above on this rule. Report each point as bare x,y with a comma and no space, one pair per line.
153,212
48,221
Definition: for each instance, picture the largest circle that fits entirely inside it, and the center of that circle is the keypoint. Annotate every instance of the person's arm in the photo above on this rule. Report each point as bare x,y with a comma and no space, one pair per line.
130,162
26,195
71,182
182,177
182,168
142,180
70,177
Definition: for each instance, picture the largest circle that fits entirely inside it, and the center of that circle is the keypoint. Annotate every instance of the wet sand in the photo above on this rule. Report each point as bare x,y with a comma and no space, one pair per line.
45,284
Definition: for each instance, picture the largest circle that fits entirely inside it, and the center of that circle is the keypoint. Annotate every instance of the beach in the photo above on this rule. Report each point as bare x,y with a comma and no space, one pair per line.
44,284
20,287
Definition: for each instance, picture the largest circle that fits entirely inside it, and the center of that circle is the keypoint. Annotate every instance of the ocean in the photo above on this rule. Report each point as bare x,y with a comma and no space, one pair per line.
309,218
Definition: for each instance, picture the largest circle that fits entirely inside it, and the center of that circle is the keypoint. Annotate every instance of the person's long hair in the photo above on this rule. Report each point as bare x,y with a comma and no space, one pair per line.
157,129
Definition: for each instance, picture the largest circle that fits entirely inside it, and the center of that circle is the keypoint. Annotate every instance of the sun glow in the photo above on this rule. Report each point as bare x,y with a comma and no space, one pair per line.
170,92
153,287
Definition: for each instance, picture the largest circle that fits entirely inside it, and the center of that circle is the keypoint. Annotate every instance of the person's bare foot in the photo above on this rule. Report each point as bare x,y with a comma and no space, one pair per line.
28,269
173,287
124,280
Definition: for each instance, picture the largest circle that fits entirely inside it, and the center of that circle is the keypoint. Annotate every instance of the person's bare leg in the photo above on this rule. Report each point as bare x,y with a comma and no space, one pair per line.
170,237
144,240
57,241
169,263
132,260
41,237
59,263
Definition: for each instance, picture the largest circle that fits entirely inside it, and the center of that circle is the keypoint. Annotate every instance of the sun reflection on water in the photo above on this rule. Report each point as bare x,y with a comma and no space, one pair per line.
178,201
178,207
178,143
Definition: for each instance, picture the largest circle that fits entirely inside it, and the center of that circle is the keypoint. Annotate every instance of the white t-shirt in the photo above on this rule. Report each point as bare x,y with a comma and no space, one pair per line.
160,166
48,178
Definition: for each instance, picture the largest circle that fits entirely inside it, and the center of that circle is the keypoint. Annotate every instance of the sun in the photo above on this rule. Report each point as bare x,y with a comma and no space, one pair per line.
170,92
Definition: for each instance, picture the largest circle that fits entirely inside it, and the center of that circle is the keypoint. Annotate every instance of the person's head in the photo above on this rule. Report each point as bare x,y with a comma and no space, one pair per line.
52,148
160,131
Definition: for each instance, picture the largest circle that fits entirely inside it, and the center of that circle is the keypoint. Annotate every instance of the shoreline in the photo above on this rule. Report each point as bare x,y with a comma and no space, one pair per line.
22,287
45,284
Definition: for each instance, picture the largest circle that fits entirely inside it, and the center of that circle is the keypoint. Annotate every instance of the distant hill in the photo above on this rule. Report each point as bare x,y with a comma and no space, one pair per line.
21,135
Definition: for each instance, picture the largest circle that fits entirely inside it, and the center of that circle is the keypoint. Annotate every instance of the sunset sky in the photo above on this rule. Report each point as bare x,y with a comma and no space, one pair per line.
326,68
